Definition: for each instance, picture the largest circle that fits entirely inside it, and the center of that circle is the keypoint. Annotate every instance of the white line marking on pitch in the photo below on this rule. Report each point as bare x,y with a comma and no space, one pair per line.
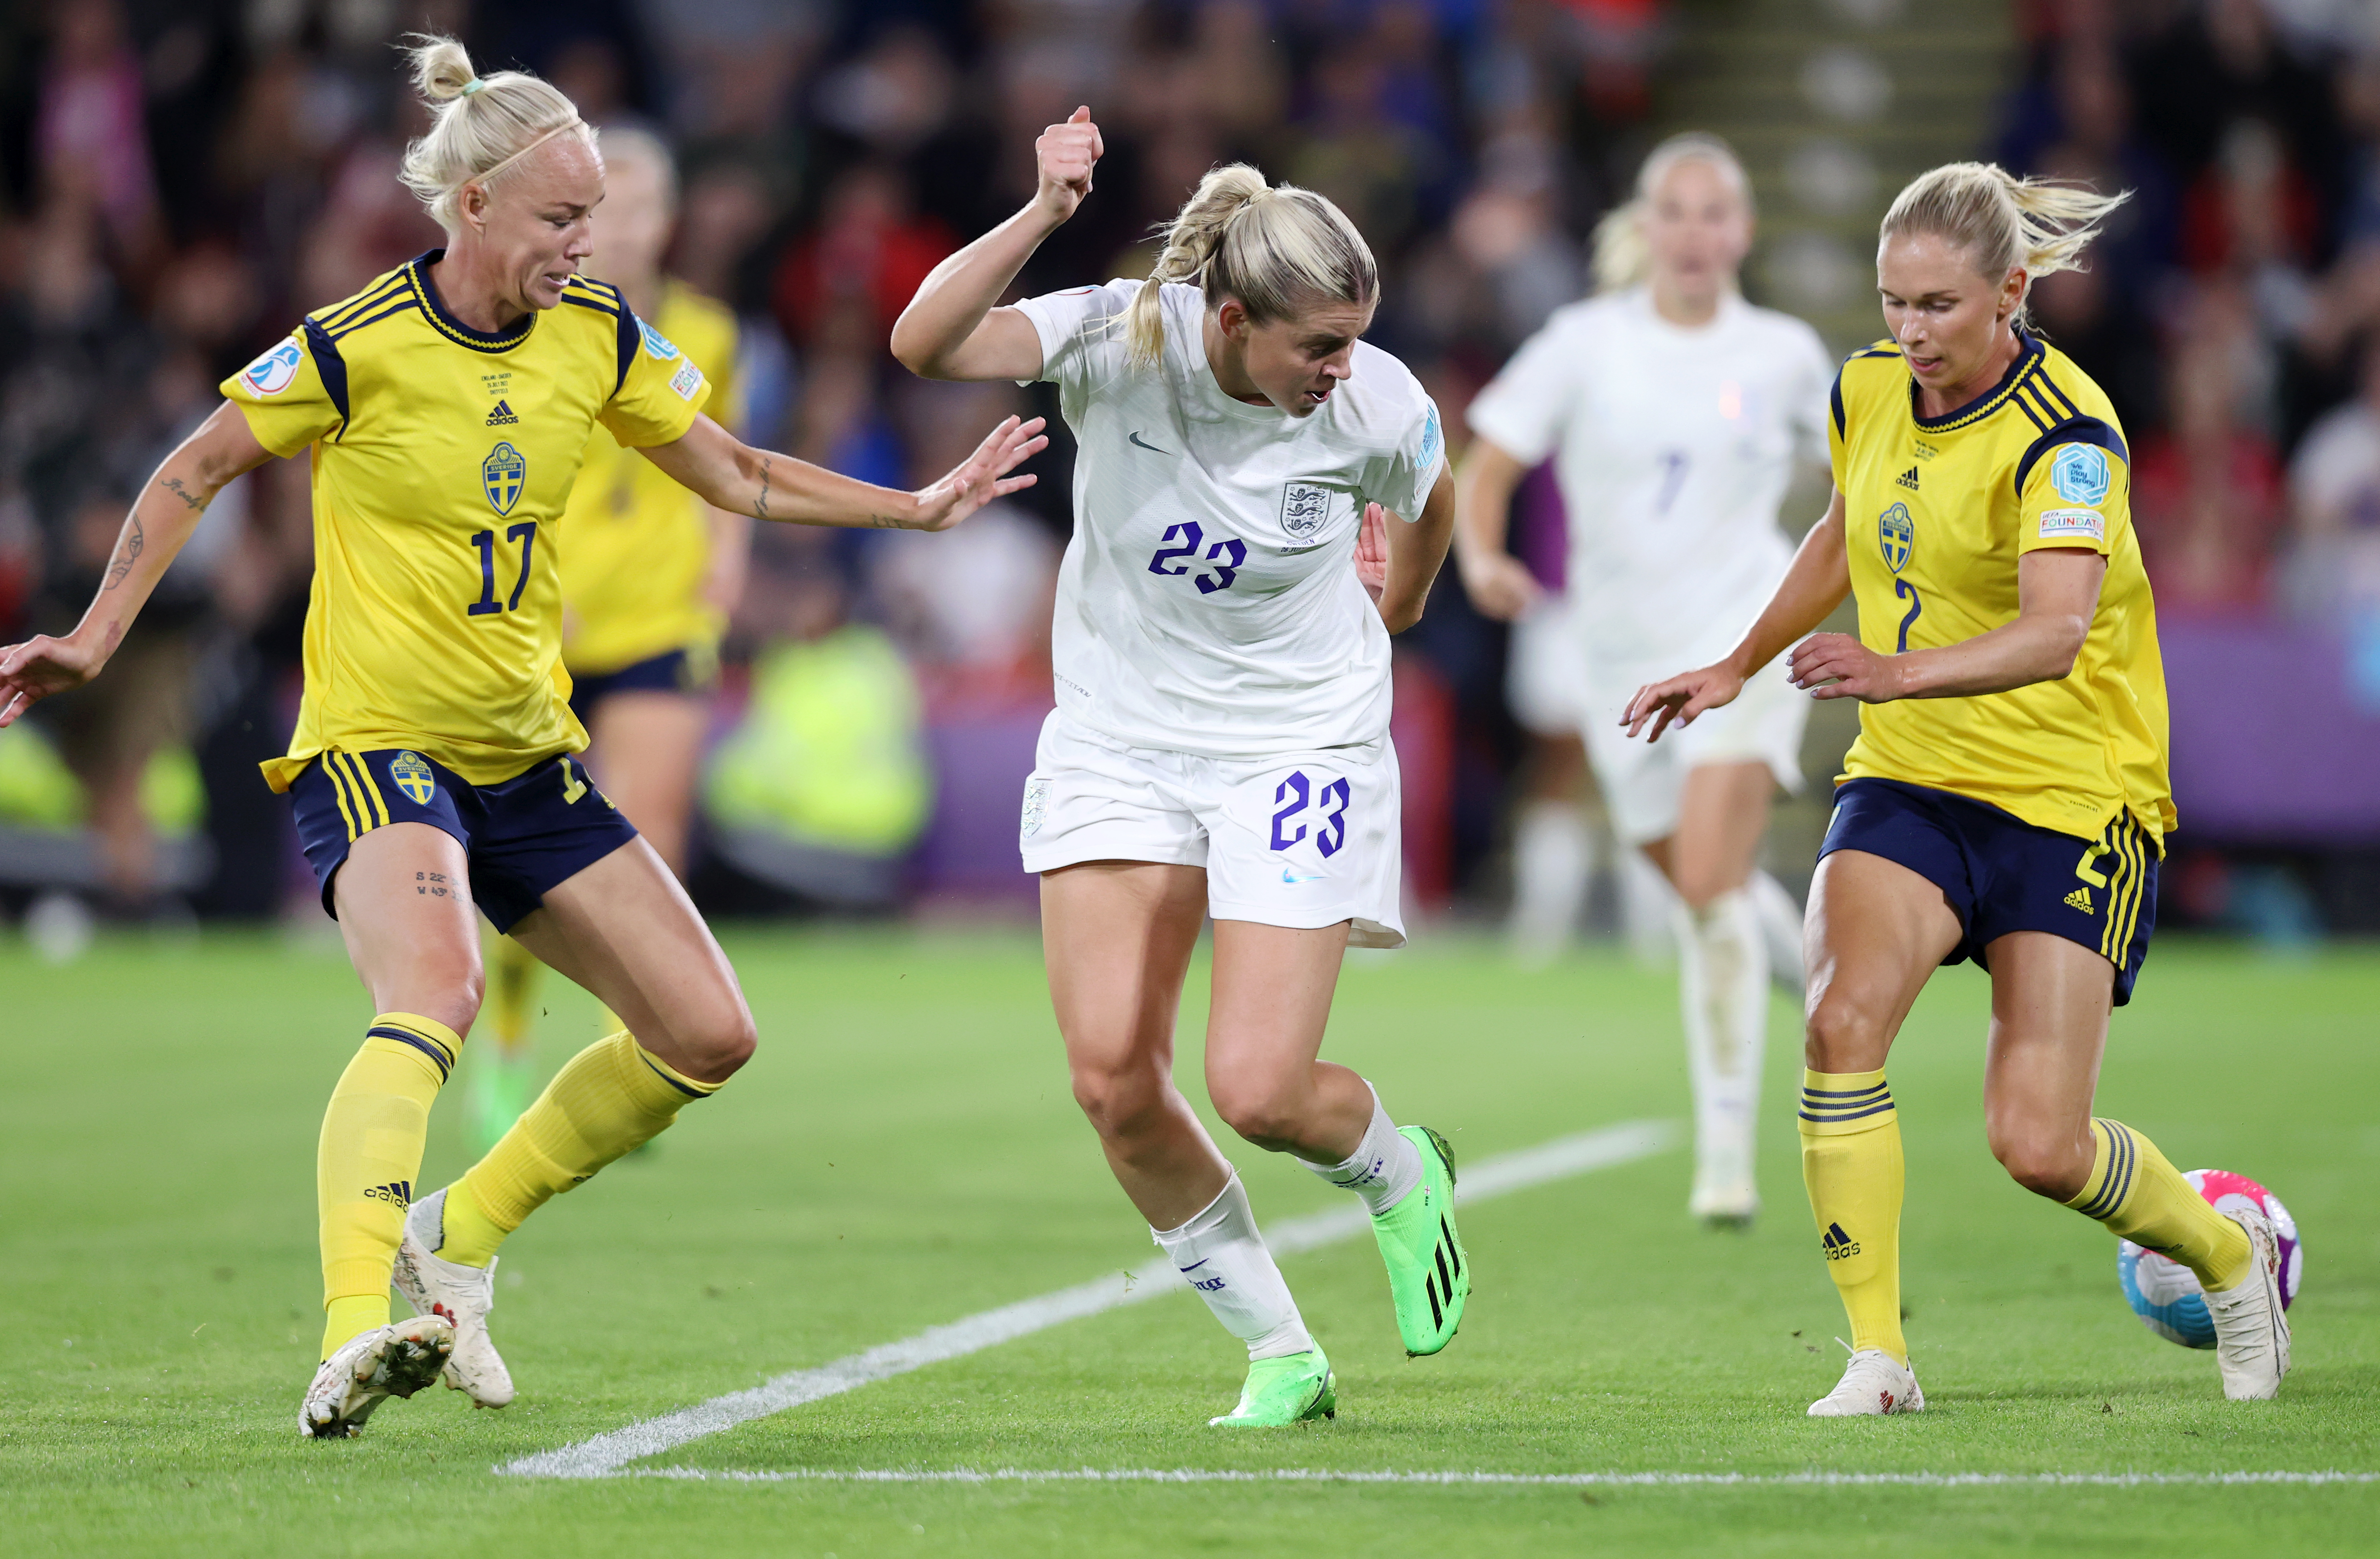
1560,1480
605,1455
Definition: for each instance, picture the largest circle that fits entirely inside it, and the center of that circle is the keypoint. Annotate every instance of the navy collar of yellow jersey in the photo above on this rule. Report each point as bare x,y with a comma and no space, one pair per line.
2028,358
434,308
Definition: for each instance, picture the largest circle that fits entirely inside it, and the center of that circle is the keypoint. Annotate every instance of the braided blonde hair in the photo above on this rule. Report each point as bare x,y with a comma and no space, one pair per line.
480,128
1277,249
2001,220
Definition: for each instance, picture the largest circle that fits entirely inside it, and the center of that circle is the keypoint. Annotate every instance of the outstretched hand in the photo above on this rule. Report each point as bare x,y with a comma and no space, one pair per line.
1372,552
1500,585
40,666
983,477
1680,699
1065,156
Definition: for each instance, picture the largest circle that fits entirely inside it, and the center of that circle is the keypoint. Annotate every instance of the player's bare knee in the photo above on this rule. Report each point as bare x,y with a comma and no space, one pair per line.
2039,1161
1267,1116
1841,1035
1119,1102
717,1049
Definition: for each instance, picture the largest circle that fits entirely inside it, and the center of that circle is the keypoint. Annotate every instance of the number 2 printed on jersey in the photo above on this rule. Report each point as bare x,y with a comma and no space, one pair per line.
1179,552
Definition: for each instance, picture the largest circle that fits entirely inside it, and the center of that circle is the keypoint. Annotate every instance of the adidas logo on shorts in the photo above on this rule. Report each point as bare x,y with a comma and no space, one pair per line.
2080,899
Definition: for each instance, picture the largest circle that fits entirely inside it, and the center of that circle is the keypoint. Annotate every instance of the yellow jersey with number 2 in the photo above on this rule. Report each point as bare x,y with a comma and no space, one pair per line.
1936,512
443,455
636,546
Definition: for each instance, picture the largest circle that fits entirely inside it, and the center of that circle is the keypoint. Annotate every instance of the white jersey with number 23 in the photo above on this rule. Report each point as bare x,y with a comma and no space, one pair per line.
1208,602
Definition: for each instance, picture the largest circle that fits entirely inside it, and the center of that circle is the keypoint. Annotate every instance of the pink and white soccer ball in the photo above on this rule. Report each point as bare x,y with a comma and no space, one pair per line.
2166,1294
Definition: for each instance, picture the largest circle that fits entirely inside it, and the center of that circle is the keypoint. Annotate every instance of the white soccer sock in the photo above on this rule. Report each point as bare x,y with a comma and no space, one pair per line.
1723,979
1221,1255
1648,908
1780,930
1553,857
1384,1166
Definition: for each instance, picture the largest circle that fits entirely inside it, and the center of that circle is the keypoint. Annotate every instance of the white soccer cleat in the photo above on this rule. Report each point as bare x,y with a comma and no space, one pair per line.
1874,1382
1730,1203
370,1368
433,1286
2252,1330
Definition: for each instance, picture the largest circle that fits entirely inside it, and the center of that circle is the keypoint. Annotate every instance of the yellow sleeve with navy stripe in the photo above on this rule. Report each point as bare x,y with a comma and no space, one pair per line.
1936,513
636,546
443,457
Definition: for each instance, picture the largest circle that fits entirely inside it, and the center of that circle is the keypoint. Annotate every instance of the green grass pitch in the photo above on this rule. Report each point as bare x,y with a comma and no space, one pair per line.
904,1151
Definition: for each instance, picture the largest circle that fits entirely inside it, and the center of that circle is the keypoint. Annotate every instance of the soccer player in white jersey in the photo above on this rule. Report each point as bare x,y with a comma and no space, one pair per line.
1674,411
1260,500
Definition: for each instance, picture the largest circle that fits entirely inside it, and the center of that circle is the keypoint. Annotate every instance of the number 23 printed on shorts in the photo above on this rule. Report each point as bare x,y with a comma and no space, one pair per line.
1306,809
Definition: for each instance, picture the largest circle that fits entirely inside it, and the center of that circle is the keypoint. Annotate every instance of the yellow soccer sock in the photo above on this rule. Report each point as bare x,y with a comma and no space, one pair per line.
1850,1162
2138,1194
514,974
365,1165
610,1097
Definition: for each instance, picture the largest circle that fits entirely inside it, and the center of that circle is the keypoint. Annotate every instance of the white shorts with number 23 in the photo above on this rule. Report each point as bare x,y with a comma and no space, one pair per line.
1305,840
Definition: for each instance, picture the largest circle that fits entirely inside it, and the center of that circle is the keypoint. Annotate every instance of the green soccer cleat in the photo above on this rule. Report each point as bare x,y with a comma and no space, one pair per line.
1291,1389
1427,1276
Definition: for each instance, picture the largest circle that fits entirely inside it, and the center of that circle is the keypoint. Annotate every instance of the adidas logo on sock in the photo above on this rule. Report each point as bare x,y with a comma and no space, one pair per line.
1908,478
502,415
1836,1244
2080,899
398,1191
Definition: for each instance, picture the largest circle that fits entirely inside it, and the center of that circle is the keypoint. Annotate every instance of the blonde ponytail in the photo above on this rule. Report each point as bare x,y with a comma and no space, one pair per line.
480,128
1275,248
1624,258
2003,222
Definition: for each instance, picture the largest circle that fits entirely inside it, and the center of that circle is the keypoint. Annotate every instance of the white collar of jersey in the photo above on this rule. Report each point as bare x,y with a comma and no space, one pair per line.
1731,304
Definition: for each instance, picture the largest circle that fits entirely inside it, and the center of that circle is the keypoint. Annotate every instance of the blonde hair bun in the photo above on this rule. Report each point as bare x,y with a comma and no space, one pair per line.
480,127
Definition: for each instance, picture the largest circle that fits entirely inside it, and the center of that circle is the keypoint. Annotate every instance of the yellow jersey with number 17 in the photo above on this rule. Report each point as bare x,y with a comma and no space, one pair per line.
1938,510
443,455
637,545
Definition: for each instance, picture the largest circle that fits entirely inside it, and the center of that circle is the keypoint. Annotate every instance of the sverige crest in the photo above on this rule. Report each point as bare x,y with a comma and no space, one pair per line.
502,474
1896,534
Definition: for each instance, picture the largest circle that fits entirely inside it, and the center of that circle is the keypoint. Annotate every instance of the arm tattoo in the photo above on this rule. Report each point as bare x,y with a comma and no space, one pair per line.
173,484
762,506
884,522
127,552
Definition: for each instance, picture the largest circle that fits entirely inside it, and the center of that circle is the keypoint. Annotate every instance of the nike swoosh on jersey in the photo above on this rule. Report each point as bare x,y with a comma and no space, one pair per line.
1150,448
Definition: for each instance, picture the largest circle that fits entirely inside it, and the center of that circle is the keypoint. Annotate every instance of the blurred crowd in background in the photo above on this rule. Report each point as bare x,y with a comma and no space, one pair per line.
181,179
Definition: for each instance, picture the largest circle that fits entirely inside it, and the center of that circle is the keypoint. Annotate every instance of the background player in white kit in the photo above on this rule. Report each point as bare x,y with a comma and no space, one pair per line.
1221,737
1674,411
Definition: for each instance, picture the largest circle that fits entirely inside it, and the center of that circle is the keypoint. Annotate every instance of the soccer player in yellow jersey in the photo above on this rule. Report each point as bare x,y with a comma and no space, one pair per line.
2007,798
445,410
649,573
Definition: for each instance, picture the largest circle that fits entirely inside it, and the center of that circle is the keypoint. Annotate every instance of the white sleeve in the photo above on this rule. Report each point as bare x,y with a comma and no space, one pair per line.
1081,331
1408,474
1522,409
1812,380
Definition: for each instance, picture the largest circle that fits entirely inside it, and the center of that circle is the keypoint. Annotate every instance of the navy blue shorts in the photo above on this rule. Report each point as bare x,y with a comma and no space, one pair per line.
529,834
674,671
2002,874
